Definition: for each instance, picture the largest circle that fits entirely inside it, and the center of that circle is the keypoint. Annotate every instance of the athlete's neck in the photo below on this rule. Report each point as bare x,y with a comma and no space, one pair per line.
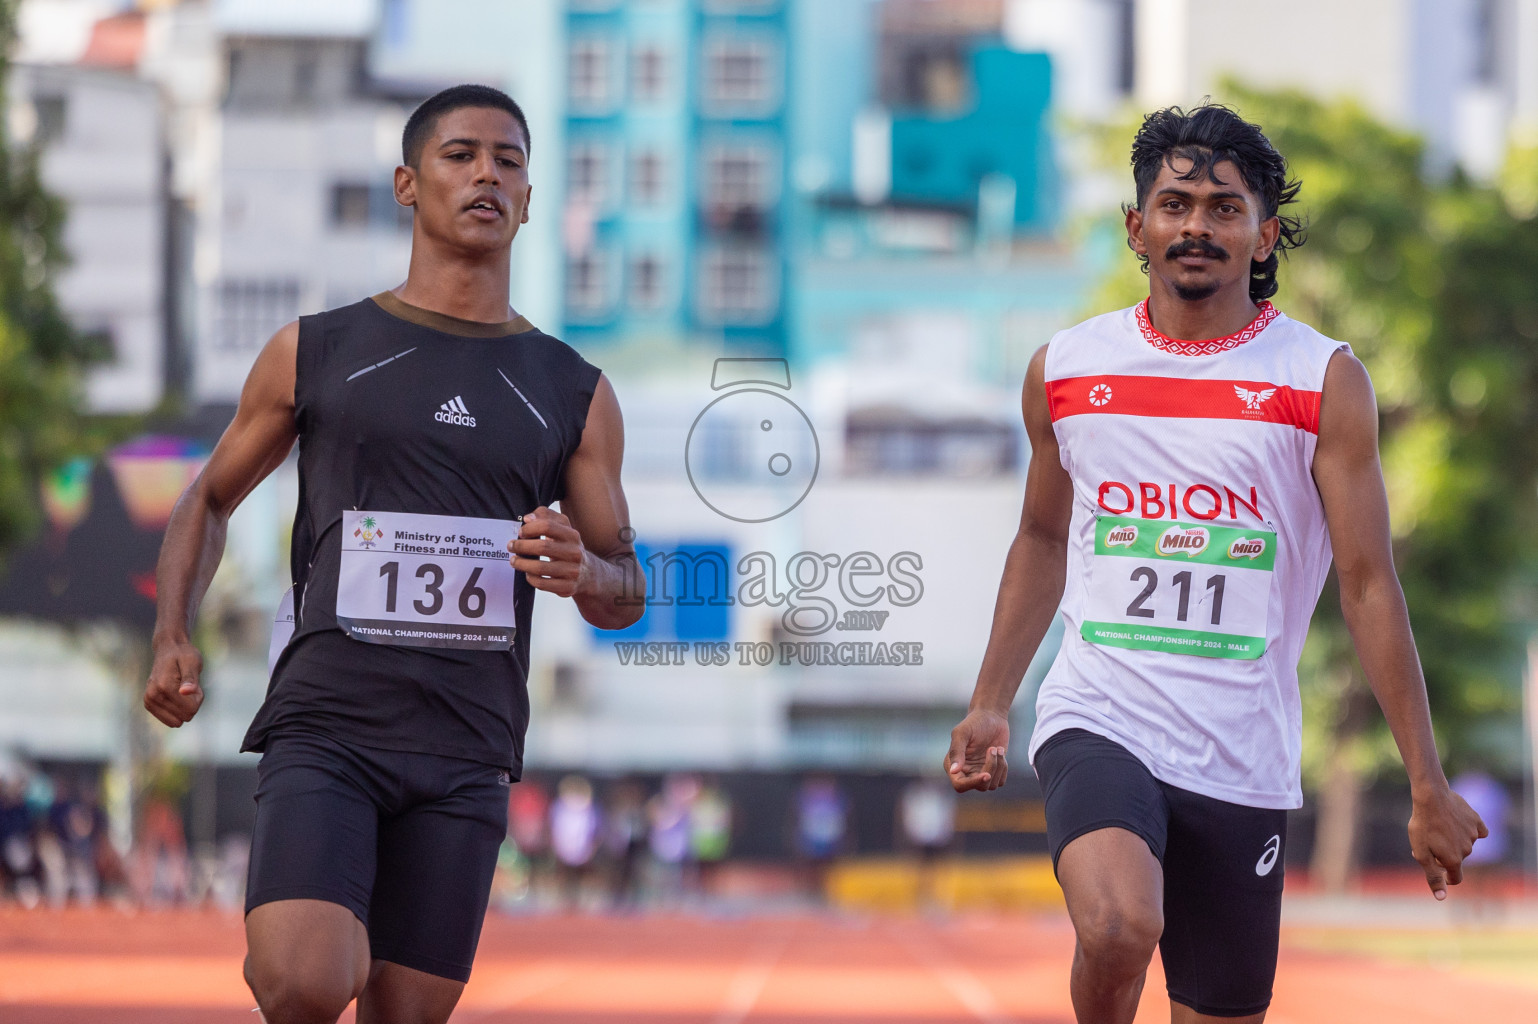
1227,311
469,289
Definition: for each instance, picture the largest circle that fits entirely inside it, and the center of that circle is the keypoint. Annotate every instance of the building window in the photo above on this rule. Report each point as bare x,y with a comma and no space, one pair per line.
591,73
738,176
358,205
741,6
739,73
588,285
648,178
51,112
1487,42
649,73
738,286
250,310
587,173
648,283
350,205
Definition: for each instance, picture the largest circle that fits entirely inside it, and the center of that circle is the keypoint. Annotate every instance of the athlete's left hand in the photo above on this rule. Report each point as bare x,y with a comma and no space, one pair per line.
1443,828
547,534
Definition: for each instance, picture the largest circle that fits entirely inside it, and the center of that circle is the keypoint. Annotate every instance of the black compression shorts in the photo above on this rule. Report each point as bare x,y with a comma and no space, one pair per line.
1222,867
407,842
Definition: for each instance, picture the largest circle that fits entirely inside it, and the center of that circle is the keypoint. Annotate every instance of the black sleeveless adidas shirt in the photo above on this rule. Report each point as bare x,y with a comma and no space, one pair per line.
384,395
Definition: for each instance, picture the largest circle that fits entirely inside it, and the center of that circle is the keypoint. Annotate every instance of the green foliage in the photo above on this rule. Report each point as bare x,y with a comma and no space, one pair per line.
1431,283
41,356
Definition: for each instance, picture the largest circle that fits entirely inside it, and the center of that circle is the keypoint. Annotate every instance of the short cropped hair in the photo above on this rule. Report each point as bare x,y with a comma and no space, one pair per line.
1208,135
420,125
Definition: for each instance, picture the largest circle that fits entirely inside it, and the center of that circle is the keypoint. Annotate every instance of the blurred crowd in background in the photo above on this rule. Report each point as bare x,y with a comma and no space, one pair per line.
574,844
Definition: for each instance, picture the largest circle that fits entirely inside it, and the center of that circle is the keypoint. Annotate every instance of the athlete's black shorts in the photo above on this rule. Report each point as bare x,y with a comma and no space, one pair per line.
1222,867
407,842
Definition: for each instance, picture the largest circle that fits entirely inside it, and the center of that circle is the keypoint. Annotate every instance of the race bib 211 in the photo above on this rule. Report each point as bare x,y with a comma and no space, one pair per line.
1181,588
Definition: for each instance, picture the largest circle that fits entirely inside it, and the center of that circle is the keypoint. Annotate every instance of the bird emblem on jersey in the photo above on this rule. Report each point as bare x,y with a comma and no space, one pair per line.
1252,399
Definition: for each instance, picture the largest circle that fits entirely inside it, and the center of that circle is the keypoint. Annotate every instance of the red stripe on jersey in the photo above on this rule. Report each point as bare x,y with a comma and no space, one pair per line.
1183,398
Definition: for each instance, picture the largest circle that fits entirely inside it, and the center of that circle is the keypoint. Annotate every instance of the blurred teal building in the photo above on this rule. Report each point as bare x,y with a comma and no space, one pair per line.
760,176
675,218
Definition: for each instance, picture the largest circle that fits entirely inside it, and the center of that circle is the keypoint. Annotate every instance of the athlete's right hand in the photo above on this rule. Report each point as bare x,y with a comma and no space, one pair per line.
173,693
1443,830
979,748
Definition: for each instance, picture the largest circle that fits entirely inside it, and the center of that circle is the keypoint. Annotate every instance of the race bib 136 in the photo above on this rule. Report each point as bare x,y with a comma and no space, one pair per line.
1183,588
426,581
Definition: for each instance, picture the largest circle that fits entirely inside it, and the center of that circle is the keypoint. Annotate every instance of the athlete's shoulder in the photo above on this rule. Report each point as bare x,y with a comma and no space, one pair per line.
1299,332
557,353
1307,351
1075,350
365,306
1117,321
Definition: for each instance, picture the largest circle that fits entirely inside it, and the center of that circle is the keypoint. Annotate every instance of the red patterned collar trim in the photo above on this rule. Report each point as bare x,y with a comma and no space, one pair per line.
1175,346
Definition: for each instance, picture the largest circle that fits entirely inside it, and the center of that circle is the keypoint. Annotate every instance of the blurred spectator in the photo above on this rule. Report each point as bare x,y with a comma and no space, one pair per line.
574,832
162,871
927,815
821,824
528,818
1481,867
18,851
669,812
710,832
528,824
624,840
76,826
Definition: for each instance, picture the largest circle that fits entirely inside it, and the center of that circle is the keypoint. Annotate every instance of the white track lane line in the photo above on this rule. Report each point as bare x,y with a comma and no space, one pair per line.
958,981
749,981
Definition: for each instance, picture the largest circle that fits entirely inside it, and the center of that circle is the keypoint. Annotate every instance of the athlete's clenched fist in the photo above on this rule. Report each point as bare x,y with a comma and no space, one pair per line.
977,757
550,552
173,693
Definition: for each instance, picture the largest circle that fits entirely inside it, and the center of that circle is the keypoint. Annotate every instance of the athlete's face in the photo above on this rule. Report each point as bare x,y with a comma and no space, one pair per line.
1200,235
470,187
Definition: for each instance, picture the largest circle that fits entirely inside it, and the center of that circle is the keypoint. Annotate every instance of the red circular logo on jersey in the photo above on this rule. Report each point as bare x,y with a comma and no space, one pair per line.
1100,394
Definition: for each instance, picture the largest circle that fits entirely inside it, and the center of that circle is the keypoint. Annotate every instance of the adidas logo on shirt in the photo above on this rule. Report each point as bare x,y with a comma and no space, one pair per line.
454,412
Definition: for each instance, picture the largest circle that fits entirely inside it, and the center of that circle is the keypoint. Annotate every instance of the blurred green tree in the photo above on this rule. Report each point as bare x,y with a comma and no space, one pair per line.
1431,284
42,425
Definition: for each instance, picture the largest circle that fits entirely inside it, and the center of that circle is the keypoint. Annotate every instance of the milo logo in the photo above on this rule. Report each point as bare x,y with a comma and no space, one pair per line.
1121,537
1247,547
1178,541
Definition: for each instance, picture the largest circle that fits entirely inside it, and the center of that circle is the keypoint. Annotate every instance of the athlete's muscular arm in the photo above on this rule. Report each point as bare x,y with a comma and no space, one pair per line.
1029,593
1350,480
590,550
253,445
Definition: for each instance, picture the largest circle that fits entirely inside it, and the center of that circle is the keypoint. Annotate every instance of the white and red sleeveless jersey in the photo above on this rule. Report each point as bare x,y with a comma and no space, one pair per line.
1197,547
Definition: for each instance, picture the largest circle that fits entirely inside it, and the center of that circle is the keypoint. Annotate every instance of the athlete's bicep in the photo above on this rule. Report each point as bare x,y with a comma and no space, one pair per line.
263,431
592,497
1348,473
1048,488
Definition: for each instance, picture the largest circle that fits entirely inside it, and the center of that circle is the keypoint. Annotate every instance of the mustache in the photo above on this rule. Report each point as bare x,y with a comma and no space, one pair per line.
1196,247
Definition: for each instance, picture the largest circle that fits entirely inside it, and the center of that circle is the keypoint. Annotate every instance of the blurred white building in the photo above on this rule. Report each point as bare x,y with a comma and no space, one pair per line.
99,129
1462,73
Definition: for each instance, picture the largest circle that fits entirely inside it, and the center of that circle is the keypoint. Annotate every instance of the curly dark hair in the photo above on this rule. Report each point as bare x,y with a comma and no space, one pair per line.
1209,134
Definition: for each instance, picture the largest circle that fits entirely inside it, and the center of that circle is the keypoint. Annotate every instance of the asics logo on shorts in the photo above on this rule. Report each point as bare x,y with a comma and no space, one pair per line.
1267,860
454,411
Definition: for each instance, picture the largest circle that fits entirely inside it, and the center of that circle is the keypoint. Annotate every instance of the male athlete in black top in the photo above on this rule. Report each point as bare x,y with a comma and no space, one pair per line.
430,421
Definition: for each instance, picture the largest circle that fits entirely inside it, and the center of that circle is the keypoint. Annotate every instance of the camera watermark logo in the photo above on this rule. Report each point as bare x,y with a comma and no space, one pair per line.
752,454
814,593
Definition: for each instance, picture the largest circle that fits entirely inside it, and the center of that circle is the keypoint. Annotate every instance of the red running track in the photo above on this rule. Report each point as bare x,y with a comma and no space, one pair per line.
183,967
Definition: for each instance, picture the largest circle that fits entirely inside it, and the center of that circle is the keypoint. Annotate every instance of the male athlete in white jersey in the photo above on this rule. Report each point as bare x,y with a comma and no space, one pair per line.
1194,461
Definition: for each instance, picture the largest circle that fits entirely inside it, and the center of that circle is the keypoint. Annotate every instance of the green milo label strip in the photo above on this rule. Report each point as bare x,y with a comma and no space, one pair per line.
1174,641
1165,540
